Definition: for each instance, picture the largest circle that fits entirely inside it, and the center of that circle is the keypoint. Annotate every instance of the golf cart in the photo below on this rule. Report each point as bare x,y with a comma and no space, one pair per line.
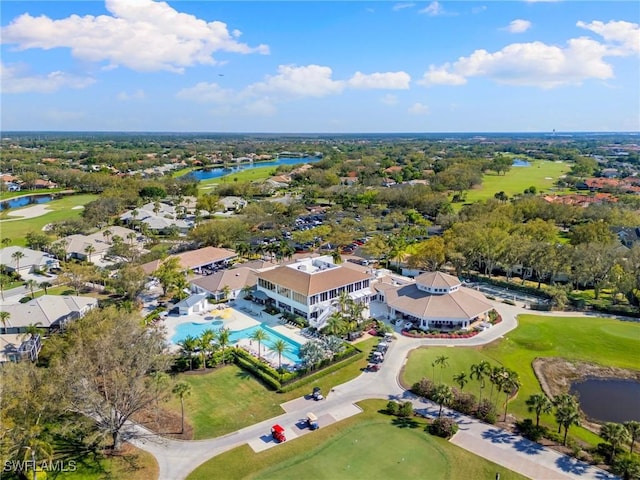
312,421
278,433
373,367
317,394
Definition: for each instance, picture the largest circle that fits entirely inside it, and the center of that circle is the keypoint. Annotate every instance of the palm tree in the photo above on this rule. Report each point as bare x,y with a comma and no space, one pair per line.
443,396
615,434
31,284
131,236
280,347
335,325
246,290
182,389
106,234
539,403
45,286
461,379
259,336
6,241
205,343
509,386
17,256
4,318
226,291
567,413
224,338
496,377
443,361
479,371
633,427
189,345
89,249
4,279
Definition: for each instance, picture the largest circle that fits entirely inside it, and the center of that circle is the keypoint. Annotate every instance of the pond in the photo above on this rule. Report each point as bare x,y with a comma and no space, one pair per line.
609,399
24,201
218,172
518,162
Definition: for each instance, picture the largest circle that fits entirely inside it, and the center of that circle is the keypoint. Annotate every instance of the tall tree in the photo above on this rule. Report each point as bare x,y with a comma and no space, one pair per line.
461,379
4,318
443,396
16,257
280,347
31,284
189,345
260,336
539,403
567,413
102,364
182,390
224,338
615,434
480,371
633,427
443,362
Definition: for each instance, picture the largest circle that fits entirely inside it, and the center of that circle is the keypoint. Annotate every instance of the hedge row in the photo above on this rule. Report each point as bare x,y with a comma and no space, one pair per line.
254,368
312,377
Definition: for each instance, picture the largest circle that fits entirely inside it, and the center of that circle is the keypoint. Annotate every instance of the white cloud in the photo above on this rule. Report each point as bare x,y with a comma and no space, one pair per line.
387,80
518,26
142,35
389,99
207,92
625,34
529,64
15,80
402,6
433,9
441,76
294,81
137,95
418,109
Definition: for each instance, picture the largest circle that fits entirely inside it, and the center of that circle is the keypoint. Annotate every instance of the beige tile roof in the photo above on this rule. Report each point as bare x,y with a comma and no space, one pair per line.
464,303
235,279
312,283
204,256
438,280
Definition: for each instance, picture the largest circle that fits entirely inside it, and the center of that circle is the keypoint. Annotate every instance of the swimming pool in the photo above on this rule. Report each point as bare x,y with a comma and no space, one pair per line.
195,330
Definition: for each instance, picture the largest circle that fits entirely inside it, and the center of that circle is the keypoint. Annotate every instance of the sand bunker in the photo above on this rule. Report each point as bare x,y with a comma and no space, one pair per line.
30,212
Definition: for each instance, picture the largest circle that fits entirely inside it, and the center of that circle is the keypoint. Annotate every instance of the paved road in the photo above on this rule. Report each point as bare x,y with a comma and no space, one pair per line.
178,458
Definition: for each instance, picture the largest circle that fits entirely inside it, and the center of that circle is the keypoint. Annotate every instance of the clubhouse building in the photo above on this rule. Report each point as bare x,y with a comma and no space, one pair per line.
310,287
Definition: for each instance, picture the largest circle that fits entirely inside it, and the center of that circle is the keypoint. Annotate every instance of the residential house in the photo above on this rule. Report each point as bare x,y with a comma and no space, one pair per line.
95,247
29,261
232,204
311,287
50,312
202,260
159,218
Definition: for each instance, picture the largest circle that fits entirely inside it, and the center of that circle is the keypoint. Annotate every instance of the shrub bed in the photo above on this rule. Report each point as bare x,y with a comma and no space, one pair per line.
452,335
444,427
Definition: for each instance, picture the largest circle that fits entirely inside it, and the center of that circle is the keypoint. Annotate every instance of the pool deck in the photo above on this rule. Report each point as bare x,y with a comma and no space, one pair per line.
238,315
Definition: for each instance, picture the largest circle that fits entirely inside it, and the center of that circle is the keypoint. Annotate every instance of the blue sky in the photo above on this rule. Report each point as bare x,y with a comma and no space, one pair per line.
324,67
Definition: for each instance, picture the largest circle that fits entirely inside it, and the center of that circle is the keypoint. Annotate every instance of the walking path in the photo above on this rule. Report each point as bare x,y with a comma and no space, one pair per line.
178,458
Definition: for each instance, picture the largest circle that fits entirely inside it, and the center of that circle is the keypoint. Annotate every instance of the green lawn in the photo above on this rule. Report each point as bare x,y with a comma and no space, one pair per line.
599,340
541,174
16,228
131,464
251,175
368,445
227,399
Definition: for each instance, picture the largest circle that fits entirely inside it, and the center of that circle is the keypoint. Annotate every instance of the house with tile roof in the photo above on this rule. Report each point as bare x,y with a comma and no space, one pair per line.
434,301
225,283
51,312
310,287
30,261
201,260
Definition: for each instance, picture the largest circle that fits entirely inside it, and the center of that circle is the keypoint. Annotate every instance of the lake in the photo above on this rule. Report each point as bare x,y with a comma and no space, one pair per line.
517,162
24,201
217,172
609,399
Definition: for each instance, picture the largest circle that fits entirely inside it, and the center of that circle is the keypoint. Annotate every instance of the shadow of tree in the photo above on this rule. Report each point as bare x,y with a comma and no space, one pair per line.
571,465
527,446
498,436
243,374
405,422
